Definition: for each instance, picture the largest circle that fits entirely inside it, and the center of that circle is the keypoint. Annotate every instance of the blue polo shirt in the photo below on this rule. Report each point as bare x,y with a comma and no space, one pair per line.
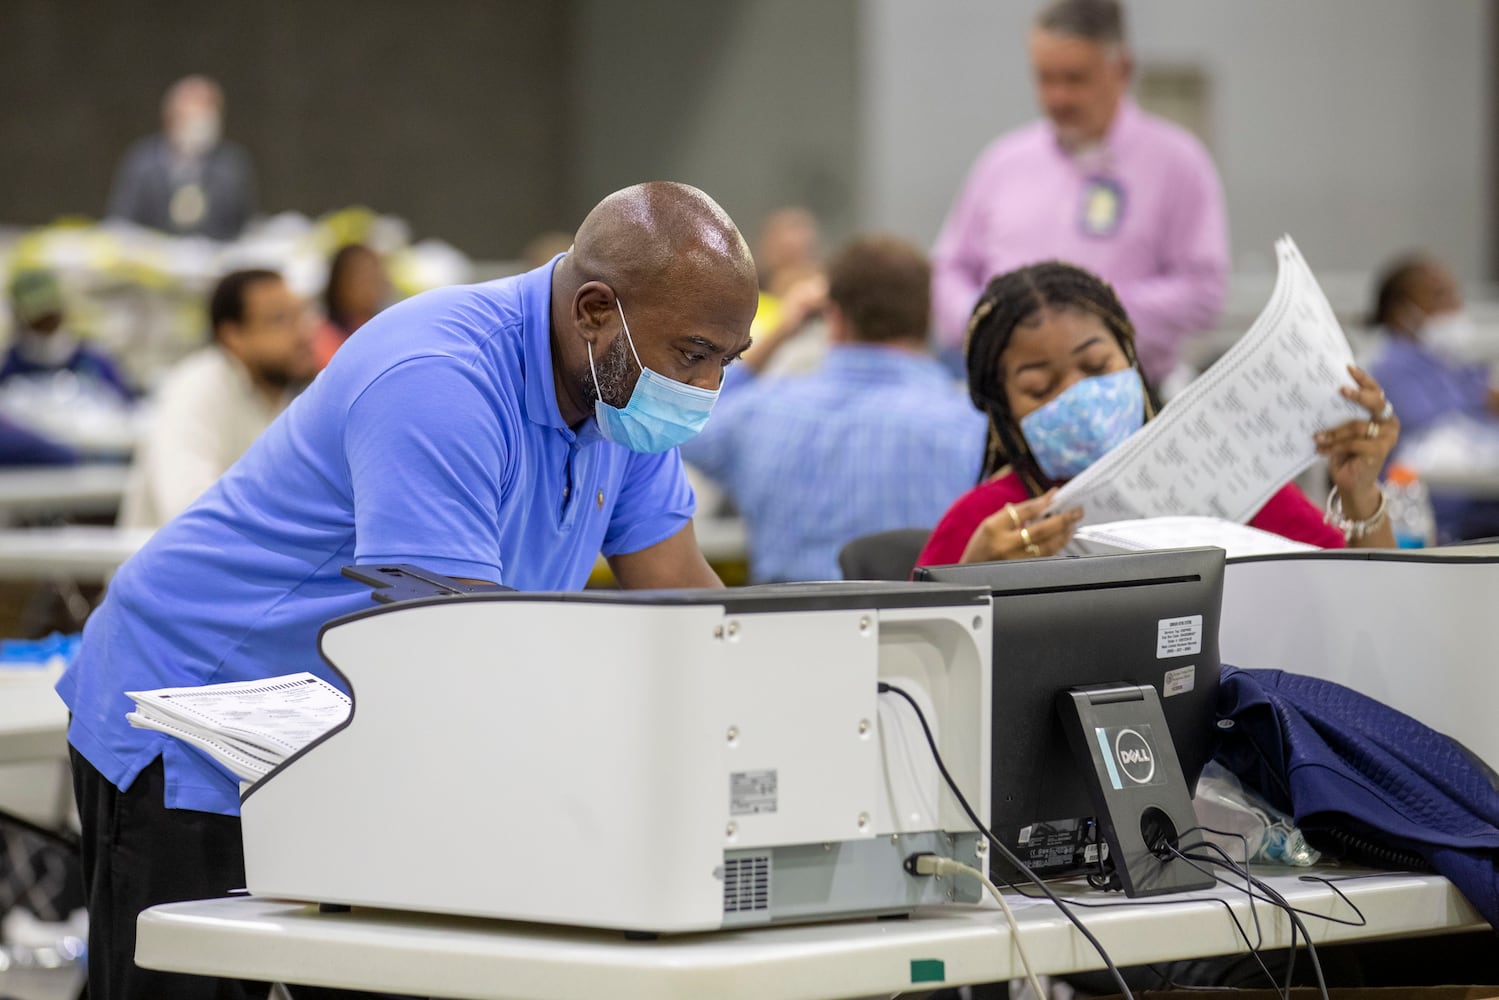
432,438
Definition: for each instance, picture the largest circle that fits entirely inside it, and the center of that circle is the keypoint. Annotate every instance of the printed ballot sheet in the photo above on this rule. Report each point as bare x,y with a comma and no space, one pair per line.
1244,428
249,726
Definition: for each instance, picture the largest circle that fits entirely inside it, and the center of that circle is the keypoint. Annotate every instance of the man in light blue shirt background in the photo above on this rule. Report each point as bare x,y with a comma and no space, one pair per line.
508,432
879,437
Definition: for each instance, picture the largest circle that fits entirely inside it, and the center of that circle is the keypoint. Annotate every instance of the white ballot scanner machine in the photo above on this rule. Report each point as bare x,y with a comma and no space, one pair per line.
653,762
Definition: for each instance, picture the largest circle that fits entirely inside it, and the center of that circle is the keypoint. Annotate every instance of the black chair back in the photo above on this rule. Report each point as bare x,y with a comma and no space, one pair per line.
884,555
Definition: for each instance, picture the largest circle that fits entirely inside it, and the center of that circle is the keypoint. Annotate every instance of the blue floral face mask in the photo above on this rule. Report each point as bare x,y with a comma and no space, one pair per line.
661,412
1085,423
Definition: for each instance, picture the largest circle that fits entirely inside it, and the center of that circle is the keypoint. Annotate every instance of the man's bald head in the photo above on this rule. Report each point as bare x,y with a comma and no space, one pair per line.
654,236
668,256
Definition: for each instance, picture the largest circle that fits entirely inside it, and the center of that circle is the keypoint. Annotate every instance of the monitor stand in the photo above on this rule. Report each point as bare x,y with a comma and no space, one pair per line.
1140,798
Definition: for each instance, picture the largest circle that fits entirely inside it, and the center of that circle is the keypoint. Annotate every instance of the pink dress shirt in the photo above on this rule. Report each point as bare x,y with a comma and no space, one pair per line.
1145,213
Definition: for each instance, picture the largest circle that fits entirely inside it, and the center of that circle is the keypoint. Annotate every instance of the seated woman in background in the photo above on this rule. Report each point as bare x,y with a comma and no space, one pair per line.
1434,370
357,289
1051,359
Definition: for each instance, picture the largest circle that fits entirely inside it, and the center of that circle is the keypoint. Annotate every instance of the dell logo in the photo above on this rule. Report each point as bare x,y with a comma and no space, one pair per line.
1135,758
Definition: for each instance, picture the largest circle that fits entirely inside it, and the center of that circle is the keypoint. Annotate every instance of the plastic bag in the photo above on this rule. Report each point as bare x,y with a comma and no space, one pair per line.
1223,803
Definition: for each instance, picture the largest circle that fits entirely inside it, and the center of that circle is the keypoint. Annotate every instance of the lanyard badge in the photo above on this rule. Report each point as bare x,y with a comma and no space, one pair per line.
1102,207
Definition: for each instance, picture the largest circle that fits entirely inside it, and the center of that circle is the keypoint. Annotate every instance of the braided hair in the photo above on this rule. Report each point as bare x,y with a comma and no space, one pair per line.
1009,301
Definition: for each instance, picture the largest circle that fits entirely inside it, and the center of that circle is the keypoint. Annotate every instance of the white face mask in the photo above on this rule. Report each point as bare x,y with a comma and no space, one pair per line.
196,135
1451,336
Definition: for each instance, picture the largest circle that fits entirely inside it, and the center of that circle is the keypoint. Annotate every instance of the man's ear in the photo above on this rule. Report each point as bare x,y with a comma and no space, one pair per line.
230,336
595,312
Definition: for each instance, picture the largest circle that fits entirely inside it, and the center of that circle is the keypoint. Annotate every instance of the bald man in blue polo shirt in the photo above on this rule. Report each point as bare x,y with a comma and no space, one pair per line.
507,432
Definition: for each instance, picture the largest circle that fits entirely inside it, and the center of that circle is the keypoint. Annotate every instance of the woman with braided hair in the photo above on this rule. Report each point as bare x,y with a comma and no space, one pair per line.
1051,359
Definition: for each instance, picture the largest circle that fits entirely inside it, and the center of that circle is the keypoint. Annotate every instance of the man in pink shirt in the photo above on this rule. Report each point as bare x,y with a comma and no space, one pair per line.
1100,184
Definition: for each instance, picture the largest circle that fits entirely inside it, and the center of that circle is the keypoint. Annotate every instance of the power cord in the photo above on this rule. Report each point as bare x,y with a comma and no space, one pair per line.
936,864
1272,896
1254,947
1005,852
1359,921
1254,913
1250,947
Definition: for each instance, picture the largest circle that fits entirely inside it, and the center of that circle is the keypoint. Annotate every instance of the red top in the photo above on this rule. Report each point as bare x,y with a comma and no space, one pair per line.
326,339
1288,513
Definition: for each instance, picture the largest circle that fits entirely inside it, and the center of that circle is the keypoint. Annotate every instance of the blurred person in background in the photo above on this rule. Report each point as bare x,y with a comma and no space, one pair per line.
789,248
215,402
544,246
42,345
878,438
793,292
187,180
357,289
1440,384
1098,183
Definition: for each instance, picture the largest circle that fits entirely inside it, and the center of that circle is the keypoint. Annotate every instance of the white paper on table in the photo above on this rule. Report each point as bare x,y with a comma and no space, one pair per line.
1142,534
277,716
1244,428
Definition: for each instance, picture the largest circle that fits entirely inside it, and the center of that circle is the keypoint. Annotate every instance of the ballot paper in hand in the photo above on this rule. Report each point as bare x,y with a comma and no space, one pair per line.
1244,428
248,726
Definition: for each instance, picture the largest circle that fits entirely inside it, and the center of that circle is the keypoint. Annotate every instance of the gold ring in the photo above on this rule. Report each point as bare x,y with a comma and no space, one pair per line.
1372,431
1032,549
1014,517
1025,538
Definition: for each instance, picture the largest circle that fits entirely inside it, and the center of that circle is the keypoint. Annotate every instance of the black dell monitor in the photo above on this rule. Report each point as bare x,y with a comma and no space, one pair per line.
1144,619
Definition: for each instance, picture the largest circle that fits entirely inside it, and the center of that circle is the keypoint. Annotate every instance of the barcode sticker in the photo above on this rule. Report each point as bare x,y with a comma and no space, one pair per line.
1178,636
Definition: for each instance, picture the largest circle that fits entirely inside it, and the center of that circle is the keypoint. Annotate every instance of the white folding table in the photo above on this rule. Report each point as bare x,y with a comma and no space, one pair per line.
454,957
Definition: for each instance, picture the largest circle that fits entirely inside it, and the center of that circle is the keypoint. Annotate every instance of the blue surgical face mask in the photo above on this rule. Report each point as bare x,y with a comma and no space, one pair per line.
661,412
1085,423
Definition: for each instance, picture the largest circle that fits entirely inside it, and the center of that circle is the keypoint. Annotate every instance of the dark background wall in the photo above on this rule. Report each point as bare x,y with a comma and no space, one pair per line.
452,114
755,101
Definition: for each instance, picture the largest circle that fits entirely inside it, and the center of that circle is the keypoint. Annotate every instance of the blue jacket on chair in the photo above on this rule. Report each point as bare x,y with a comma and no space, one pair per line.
1338,760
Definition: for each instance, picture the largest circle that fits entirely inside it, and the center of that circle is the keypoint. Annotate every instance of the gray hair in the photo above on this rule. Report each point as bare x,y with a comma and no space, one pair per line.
1100,21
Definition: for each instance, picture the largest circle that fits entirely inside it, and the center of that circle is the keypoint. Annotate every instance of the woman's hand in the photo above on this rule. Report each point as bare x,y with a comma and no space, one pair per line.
1021,531
1357,450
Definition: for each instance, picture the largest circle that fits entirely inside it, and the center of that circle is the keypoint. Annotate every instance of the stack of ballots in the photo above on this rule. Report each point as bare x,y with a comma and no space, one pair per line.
247,726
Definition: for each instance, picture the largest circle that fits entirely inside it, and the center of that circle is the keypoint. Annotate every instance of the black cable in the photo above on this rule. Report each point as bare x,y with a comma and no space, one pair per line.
885,688
1254,913
1275,897
1361,921
1250,946
1248,890
1269,894
1296,922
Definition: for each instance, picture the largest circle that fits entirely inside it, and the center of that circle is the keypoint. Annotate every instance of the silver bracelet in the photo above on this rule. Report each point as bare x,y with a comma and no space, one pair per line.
1354,530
